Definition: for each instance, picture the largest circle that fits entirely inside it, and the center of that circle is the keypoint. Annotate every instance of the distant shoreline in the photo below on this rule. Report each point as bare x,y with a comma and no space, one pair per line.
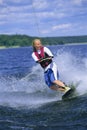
12,41
84,43
4,47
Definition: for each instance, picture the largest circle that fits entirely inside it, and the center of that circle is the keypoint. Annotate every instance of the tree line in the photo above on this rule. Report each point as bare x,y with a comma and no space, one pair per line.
25,40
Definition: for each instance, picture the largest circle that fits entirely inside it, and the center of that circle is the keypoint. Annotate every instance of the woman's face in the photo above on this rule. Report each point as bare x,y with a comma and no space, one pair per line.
37,44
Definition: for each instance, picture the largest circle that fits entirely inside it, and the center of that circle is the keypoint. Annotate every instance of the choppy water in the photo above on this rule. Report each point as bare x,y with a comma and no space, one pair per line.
26,103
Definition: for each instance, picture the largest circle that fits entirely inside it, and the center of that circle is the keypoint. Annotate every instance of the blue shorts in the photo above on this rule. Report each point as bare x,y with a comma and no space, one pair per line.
50,77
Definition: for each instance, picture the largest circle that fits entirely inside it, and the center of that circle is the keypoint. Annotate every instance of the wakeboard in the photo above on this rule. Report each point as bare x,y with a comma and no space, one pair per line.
69,94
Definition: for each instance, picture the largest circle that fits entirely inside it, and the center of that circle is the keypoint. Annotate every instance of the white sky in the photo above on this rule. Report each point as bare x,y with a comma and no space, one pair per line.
43,17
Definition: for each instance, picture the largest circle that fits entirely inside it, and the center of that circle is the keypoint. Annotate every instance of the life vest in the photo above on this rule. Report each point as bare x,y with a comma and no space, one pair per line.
43,55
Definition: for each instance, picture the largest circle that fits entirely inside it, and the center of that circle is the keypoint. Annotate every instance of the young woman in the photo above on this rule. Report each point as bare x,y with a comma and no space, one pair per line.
43,56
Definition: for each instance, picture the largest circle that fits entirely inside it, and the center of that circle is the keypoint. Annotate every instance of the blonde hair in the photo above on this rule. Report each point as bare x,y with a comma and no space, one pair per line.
33,42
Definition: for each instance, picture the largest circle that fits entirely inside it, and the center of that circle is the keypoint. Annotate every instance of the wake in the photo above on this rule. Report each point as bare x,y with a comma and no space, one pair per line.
28,92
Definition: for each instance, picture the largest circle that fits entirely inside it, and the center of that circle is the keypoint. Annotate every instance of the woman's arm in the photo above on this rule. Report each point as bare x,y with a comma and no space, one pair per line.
48,51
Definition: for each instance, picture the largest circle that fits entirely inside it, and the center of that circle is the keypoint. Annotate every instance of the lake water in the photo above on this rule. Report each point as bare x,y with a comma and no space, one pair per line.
26,103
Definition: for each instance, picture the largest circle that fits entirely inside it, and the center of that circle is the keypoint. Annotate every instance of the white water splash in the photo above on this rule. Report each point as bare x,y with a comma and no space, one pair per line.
30,91
71,71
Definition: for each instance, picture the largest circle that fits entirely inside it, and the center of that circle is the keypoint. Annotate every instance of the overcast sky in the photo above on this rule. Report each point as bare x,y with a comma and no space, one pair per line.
43,17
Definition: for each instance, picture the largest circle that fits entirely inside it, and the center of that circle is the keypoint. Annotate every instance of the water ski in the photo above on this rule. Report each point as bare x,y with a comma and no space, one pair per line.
69,93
